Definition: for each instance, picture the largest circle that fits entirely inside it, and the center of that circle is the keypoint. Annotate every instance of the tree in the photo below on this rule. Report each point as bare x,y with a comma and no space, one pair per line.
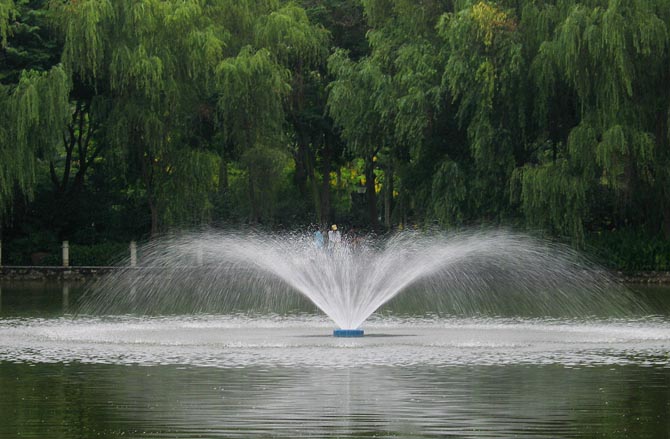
612,58
483,77
7,12
263,84
395,92
151,61
252,87
355,102
320,150
33,96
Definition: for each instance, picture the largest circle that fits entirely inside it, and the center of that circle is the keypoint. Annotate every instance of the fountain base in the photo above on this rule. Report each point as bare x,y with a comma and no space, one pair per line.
348,333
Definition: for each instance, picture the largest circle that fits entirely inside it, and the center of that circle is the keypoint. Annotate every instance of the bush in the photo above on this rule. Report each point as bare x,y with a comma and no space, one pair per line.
108,253
631,250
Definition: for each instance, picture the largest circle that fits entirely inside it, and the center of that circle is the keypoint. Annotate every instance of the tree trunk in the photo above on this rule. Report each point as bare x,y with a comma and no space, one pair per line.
301,167
304,171
326,168
154,218
314,185
147,164
370,194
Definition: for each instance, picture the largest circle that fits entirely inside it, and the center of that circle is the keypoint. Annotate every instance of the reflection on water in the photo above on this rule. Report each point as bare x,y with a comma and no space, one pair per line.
84,401
43,298
49,298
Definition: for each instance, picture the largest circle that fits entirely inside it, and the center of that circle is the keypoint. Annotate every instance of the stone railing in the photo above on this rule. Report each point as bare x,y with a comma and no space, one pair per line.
11,273
62,272
646,277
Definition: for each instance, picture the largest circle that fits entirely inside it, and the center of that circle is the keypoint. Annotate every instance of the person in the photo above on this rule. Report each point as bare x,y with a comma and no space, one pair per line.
318,239
334,237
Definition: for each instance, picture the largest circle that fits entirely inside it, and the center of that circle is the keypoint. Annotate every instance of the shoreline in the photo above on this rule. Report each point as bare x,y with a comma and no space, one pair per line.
84,273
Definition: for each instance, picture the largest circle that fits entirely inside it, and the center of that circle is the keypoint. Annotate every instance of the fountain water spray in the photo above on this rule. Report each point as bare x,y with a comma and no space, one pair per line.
494,272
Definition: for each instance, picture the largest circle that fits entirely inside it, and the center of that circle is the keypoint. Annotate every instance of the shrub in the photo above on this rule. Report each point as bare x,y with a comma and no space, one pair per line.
630,250
108,253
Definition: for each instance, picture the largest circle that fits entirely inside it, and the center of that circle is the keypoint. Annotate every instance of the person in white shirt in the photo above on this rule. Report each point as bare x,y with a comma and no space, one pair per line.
334,237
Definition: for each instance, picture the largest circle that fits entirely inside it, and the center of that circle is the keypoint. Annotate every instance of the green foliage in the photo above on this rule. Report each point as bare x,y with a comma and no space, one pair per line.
553,114
291,38
449,193
552,198
252,87
344,20
630,250
19,251
483,66
152,60
105,254
185,192
7,12
82,24
30,43
356,102
606,55
33,114
265,169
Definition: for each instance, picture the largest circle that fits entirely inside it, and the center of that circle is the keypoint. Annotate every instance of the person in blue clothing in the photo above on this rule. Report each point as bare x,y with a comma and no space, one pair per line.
318,239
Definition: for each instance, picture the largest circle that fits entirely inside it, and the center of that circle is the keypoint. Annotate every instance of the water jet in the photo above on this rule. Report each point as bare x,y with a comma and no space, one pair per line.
237,322
496,273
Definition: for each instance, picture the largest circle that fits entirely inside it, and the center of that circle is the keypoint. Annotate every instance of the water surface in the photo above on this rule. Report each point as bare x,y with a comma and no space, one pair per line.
249,375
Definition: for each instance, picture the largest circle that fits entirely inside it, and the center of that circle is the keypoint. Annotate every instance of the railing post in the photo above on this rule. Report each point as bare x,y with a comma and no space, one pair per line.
66,254
133,254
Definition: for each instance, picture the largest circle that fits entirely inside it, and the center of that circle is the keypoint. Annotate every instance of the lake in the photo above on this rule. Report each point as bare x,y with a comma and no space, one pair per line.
283,375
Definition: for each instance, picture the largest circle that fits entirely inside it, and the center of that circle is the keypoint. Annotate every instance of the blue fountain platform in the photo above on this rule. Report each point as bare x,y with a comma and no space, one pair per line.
348,333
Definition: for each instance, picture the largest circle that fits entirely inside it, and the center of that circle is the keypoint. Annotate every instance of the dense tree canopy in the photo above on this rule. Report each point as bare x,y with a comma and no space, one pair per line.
550,114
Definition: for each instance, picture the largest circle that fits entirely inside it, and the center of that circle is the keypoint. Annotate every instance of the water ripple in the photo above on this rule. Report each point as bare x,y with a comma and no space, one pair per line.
305,341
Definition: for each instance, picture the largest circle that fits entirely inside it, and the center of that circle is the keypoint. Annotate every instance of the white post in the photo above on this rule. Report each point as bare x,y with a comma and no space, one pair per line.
133,254
66,254
200,256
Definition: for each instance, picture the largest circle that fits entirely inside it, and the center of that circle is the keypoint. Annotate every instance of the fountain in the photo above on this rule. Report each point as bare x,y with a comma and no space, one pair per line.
228,335
470,273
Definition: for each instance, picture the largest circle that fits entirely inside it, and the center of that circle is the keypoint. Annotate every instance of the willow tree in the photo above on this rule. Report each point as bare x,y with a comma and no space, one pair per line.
262,84
33,103
356,103
483,77
7,12
10,170
302,48
432,63
33,114
407,48
152,61
611,57
251,88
